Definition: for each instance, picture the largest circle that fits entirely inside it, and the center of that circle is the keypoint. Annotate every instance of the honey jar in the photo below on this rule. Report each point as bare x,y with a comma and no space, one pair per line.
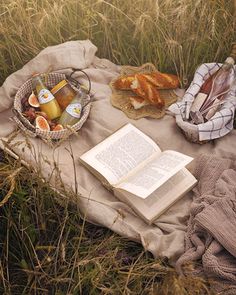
64,93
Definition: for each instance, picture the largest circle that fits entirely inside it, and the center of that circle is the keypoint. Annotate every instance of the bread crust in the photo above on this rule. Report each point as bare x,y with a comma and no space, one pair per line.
146,86
124,83
148,91
162,80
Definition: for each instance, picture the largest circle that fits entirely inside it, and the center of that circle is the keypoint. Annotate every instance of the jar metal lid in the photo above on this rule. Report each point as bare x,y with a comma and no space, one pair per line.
58,86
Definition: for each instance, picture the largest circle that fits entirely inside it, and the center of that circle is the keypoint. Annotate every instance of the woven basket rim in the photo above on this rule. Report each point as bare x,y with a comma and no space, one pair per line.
48,135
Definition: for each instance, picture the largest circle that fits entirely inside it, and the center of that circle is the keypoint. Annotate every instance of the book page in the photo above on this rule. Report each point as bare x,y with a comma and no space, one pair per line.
160,200
120,153
154,173
171,189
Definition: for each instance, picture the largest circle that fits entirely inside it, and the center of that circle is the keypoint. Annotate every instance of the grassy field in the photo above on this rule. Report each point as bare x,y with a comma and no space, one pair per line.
49,249
175,35
46,248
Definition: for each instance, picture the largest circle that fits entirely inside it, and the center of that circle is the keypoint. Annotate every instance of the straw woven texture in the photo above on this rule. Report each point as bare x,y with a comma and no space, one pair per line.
31,130
120,98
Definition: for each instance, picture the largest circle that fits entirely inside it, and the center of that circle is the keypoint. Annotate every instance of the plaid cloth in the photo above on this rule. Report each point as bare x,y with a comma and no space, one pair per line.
222,122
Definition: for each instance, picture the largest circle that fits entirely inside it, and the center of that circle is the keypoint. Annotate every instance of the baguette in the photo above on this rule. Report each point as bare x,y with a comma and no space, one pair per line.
136,87
138,102
158,79
163,81
124,83
146,87
146,90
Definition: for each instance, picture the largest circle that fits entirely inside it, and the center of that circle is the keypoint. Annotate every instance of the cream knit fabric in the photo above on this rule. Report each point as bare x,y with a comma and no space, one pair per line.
211,234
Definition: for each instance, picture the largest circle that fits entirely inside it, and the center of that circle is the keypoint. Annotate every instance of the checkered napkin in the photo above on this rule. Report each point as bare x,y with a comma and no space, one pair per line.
222,122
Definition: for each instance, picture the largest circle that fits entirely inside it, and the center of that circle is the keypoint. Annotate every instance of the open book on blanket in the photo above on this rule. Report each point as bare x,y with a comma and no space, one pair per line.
132,165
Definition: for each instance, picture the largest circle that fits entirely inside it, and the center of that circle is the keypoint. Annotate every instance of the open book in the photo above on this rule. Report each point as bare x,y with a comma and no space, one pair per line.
138,172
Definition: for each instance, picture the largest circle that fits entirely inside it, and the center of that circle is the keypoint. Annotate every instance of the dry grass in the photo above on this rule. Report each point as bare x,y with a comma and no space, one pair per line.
49,249
175,35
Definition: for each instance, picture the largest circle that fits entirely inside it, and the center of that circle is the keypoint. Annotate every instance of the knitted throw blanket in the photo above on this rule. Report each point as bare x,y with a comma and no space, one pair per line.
211,233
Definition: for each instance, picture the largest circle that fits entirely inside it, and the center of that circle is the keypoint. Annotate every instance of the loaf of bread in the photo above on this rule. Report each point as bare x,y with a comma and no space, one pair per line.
138,102
124,83
146,90
158,79
163,81
146,87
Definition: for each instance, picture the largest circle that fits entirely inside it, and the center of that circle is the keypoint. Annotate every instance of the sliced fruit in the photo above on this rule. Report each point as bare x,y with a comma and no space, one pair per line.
33,100
42,123
58,127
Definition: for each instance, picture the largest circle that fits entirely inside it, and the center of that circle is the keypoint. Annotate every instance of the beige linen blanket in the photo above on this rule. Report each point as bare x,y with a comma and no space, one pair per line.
165,238
211,232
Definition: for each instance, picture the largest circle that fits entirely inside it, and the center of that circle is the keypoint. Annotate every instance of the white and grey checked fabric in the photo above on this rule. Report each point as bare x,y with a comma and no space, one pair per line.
222,122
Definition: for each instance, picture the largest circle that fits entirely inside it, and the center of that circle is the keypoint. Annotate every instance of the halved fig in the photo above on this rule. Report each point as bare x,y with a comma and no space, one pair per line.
42,123
33,100
58,127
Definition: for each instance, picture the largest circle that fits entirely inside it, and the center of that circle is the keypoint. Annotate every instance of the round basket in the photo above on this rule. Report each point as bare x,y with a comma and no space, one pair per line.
30,129
218,125
189,130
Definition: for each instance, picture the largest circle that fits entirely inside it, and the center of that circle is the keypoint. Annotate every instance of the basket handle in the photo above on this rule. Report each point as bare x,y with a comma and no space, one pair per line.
77,83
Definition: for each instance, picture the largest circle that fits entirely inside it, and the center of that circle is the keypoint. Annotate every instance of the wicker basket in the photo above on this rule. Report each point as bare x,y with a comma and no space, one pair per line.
189,130
219,122
31,130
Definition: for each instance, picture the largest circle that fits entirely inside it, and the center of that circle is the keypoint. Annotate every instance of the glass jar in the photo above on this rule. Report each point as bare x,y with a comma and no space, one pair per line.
73,111
64,93
47,101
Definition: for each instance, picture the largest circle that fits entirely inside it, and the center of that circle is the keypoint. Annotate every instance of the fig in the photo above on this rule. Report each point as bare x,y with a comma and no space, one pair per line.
33,100
25,103
30,114
58,127
42,123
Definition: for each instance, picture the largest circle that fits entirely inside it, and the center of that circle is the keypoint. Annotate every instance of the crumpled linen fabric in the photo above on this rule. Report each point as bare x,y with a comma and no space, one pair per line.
97,204
165,238
211,233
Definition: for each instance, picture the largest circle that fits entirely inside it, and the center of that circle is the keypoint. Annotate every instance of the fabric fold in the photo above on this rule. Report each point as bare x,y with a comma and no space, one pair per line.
73,54
96,203
166,236
219,220
211,234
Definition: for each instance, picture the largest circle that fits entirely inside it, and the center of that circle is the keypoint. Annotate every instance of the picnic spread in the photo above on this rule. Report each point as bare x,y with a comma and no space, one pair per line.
106,113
